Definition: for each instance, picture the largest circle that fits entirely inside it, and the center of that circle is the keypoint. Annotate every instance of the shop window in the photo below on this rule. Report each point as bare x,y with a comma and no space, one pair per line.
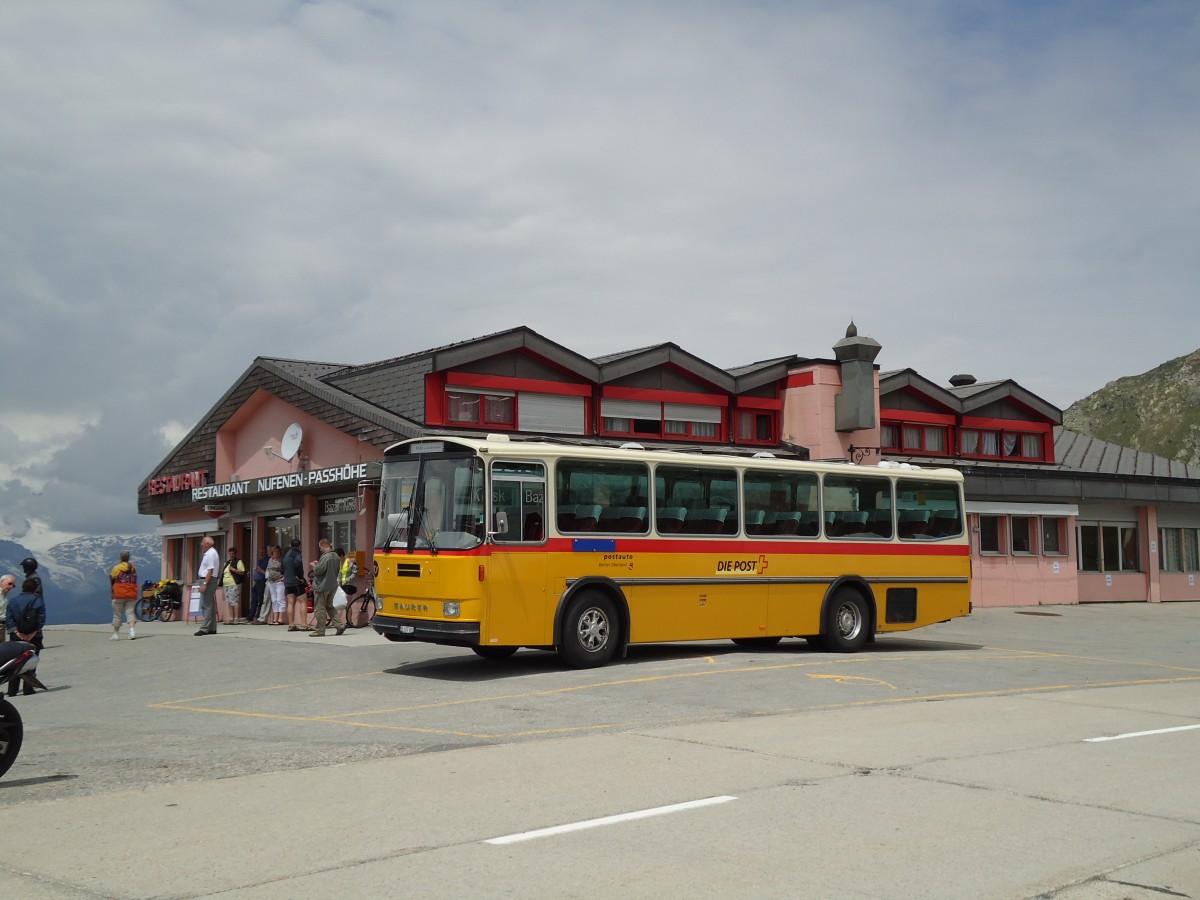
468,408
1054,533
1024,531
1108,548
1170,559
1180,549
991,534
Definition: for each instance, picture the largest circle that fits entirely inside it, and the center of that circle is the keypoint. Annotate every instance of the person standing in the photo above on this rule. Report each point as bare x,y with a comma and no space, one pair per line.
347,580
208,575
325,582
29,567
258,585
232,577
8,585
123,579
24,621
293,575
348,570
274,604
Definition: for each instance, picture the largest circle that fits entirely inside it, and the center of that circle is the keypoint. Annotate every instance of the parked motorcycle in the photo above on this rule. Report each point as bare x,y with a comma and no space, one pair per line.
15,657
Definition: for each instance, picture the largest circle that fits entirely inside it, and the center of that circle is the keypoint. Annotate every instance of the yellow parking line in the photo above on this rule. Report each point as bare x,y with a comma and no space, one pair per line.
352,718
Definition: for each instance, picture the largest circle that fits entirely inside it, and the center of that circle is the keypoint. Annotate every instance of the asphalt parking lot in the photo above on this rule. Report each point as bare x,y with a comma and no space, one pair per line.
1028,752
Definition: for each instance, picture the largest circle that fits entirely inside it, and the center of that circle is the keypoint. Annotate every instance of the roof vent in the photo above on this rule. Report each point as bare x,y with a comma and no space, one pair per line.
962,380
631,445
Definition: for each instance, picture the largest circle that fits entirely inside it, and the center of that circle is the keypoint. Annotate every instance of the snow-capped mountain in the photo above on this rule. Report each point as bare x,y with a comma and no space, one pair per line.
75,572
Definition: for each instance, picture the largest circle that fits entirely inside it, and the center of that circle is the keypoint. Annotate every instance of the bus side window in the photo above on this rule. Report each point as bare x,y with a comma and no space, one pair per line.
928,510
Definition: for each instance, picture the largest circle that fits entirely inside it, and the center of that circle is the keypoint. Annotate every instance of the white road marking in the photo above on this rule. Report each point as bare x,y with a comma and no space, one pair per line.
1133,734
607,820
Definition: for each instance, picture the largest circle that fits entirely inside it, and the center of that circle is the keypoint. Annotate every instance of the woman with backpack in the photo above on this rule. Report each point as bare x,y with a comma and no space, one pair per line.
124,595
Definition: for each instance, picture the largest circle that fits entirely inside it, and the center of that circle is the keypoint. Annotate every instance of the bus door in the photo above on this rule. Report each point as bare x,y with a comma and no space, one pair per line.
518,602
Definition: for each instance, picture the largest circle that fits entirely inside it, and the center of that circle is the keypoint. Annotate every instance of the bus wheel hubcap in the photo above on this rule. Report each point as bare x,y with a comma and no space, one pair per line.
848,621
593,630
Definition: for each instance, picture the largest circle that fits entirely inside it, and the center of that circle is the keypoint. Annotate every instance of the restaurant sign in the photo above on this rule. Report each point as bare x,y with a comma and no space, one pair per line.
271,484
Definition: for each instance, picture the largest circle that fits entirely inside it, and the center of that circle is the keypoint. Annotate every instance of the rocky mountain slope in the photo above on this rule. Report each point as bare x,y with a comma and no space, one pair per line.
1157,411
75,573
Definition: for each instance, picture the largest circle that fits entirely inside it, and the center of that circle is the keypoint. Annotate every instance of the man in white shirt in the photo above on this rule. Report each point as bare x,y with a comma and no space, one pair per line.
210,567
8,585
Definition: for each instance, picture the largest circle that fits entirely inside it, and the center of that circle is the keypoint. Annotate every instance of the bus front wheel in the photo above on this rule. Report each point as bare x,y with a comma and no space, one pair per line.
846,627
589,635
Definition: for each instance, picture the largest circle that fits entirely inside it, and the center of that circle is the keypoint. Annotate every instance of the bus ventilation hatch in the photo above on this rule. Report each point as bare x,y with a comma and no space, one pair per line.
902,605
408,570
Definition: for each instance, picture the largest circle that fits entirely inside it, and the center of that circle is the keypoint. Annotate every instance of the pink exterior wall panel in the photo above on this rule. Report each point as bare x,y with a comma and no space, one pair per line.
809,416
1178,586
1023,581
1115,587
261,422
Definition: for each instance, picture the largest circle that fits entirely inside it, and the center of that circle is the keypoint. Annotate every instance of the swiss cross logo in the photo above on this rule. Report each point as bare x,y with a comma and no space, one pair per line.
762,563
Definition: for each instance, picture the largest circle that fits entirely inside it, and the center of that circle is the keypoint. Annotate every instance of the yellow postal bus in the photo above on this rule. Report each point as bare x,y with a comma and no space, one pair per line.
500,543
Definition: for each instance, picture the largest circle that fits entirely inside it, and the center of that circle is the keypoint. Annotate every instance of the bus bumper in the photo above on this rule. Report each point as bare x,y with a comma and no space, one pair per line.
455,634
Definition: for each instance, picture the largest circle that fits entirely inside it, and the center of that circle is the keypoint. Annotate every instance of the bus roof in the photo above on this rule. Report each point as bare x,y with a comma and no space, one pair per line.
523,447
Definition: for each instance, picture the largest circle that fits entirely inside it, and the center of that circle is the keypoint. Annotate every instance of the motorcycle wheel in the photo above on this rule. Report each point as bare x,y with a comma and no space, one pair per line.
11,734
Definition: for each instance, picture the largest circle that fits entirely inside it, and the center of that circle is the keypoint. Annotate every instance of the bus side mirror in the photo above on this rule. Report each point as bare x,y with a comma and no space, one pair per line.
501,523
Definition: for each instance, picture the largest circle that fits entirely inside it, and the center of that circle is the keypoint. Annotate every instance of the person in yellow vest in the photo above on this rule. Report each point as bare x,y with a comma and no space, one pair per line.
124,595
348,570
232,577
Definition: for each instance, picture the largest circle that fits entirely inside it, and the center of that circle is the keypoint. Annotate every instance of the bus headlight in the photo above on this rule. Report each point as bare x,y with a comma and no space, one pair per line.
450,609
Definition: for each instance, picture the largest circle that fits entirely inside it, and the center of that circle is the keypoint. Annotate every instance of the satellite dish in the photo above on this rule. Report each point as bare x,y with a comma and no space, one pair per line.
291,441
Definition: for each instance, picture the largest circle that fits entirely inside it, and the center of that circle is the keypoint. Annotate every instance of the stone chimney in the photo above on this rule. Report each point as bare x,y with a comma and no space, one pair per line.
854,407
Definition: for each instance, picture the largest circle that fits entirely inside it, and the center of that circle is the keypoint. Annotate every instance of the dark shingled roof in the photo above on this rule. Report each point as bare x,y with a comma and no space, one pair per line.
1081,453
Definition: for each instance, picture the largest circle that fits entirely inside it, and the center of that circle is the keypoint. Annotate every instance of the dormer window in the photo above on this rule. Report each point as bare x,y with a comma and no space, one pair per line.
479,408
910,437
1000,444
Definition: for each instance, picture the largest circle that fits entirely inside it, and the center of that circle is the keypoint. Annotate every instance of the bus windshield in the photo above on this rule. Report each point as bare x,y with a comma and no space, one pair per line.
431,504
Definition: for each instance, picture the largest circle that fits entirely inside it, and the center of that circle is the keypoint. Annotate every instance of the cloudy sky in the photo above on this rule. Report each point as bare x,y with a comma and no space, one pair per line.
1006,189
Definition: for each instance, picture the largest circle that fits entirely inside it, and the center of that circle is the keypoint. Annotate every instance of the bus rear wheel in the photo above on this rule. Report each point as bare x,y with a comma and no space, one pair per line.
847,623
589,631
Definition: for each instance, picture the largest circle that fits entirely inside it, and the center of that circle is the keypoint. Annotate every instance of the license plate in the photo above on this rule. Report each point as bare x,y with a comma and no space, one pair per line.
407,629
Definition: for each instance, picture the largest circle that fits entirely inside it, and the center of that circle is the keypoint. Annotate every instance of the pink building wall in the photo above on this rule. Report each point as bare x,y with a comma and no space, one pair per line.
261,422
809,417
1008,579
